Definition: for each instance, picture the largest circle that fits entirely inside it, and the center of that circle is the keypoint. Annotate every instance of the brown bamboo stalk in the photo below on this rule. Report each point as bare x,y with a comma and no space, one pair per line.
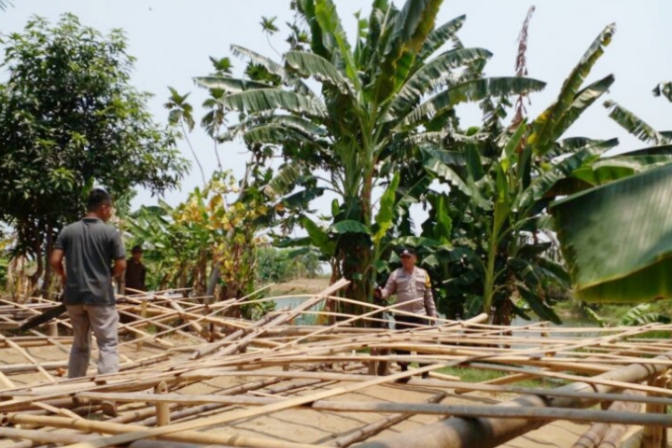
633,440
258,331
149,412
30,359
168,444
245,413
490,432
544,414
599,433
162,408
656,437
374,428
181,436
47,437
201,409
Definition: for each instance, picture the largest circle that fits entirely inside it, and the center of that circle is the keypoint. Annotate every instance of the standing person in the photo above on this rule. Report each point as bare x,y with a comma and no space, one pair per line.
94,253
409,282
135,271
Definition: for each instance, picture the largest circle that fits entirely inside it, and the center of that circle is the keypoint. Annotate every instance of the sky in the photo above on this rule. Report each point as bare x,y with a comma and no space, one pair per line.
172,40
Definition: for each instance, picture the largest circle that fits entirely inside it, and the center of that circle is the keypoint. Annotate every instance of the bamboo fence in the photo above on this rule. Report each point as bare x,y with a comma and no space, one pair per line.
193,376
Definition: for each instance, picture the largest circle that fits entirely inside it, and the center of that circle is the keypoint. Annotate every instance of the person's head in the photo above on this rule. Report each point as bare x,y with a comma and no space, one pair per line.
100,203
408,258
136,252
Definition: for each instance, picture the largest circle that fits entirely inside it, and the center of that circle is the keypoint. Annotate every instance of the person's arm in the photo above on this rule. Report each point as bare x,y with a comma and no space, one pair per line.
390,287
58,254
56,262
144,276
119,268
430,306
119,256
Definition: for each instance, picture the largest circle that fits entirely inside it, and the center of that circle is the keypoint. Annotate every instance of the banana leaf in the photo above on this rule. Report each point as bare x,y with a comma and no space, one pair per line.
617,238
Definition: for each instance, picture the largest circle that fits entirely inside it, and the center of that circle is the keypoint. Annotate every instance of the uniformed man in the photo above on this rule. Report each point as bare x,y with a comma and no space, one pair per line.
409,282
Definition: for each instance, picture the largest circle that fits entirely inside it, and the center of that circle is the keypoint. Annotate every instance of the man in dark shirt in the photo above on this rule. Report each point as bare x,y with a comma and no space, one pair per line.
135,272
94,253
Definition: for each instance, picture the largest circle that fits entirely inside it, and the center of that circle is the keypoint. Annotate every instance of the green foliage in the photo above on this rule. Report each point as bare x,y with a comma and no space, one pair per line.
69,119
664,89
374,98
625,315
282,265
4,267
643,315
620,267
500,187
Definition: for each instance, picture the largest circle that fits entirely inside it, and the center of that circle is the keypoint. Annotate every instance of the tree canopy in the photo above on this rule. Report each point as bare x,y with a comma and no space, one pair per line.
69,119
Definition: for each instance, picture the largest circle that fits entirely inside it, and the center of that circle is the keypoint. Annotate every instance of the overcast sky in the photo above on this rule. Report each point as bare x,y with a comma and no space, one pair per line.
172,40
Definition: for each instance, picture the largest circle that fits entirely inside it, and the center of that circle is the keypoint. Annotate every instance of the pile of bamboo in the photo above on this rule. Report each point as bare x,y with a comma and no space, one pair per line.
193,374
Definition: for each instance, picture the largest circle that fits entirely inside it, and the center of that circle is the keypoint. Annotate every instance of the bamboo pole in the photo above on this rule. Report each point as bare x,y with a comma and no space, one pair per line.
374,428
656,437
245,413
162,408
633,440
30,359
167,444
256,332
503,412
200,409
490,432
603,435
47,437
220,437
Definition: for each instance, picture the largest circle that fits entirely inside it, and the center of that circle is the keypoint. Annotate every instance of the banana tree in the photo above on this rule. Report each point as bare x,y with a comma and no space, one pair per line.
503,179
375,95
616,237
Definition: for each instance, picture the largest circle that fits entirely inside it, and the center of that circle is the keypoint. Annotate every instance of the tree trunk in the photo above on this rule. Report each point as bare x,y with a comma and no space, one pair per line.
40,267
46,285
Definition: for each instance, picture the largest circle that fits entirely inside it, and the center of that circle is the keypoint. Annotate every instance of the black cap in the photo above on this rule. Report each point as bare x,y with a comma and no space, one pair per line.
136,249
407,252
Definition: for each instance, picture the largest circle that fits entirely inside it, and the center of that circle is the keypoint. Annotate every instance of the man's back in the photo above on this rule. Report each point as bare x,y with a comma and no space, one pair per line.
90,246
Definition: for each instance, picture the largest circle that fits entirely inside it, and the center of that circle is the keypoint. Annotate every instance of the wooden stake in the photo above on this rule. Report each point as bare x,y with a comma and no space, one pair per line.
654,437
162,408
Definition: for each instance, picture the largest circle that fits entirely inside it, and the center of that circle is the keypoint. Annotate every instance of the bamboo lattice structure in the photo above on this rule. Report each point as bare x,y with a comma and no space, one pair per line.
193,376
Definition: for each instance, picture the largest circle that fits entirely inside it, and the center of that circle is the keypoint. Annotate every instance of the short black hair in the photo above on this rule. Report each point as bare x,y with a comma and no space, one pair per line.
136,248
98,197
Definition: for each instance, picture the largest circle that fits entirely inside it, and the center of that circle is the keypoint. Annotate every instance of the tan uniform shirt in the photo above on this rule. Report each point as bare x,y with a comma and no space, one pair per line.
409,286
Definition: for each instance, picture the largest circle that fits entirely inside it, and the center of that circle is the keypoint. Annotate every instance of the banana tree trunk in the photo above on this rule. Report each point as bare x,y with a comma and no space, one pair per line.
498,219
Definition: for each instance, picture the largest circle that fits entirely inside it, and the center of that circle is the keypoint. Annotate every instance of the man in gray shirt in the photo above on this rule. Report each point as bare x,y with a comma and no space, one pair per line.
94,253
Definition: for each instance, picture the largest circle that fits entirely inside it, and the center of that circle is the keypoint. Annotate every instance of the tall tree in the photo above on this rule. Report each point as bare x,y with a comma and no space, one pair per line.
375,96
69,119
501,179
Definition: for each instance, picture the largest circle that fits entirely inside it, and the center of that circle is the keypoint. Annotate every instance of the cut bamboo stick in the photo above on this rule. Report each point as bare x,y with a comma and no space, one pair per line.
162,408
374,428
183,436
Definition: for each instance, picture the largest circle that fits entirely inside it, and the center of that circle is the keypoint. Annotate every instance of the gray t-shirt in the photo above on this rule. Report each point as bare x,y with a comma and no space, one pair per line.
90,246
